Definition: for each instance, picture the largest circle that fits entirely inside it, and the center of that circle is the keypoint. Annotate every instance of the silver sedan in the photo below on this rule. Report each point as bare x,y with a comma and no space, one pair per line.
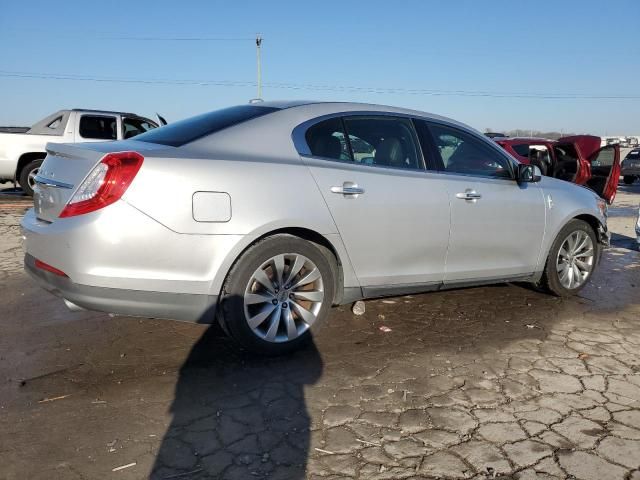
279,210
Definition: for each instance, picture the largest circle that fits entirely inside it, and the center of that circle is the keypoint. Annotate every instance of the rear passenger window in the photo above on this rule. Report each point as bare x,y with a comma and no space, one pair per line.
98,127
326,139
383,141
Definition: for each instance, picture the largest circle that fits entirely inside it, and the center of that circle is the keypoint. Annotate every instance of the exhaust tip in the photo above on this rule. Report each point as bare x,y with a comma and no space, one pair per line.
72,306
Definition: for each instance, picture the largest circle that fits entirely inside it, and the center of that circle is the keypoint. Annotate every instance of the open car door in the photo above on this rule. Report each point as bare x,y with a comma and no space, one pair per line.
605,172
581,160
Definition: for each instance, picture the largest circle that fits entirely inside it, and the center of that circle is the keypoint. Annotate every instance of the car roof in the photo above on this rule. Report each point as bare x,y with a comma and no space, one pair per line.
315,108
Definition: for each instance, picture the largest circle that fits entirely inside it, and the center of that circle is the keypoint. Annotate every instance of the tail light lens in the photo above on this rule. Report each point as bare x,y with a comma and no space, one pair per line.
106,183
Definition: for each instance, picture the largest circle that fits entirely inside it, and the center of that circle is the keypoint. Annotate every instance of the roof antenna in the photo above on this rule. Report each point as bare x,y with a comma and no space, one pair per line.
258,99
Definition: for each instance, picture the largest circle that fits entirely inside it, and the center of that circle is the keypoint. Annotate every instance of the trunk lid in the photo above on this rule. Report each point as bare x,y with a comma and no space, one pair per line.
587,144
63,170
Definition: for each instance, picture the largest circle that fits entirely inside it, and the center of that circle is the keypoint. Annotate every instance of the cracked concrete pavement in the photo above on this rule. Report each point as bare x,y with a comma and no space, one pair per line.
492,382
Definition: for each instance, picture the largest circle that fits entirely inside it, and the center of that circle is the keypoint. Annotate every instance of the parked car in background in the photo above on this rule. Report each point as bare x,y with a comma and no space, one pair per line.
630,170
578,159
638,228
495,135
285,209
22,149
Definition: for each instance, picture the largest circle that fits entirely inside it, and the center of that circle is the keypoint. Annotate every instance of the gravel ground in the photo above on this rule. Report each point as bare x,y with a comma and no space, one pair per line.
492,382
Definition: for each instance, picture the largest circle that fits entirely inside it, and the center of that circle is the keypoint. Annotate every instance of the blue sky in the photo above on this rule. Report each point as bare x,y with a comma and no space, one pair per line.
584,48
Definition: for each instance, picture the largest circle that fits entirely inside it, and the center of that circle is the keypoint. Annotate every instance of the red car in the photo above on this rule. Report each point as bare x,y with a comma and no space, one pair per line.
578,159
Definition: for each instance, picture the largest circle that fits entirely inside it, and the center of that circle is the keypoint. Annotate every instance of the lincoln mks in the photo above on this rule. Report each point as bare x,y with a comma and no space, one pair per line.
263,216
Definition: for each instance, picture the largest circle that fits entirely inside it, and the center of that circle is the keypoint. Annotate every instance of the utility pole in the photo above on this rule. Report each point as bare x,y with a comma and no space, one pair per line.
259,64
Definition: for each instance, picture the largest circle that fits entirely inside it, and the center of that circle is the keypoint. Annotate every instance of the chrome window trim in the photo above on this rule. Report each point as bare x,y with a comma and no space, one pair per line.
351,165
300,142
299,132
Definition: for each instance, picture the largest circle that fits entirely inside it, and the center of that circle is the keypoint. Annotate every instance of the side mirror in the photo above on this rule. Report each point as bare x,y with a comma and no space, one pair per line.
528,173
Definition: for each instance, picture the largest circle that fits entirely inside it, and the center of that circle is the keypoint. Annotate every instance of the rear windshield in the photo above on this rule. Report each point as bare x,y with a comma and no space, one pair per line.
185,131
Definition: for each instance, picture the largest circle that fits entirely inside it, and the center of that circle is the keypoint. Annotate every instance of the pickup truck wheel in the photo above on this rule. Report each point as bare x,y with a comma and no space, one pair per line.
628,179
28,175
572,259
279,291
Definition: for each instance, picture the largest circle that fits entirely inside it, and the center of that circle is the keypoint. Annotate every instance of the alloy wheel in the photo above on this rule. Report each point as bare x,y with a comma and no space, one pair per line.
283,297
31,178
575,259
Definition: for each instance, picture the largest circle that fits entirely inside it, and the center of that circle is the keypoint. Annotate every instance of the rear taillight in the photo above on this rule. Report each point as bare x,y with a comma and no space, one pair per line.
106,183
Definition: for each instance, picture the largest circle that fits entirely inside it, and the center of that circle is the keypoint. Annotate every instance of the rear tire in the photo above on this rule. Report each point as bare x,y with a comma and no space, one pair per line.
569,260
268,304
628,179
27,175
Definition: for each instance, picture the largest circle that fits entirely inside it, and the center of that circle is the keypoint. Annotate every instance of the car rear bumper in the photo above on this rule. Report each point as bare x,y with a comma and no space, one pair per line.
140,303
119,260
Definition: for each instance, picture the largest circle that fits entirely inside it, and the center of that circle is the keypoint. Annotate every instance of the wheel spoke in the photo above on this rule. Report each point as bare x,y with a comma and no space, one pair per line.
311,295
587,253
577,276
583,238
563,253
571,243
278,264
261,277
305,314
564,272
311,276
257,320
585,267
274,324
295,269
254,298
569,276
292,331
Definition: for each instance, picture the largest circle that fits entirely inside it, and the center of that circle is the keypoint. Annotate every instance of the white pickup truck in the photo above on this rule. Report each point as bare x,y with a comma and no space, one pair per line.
22,149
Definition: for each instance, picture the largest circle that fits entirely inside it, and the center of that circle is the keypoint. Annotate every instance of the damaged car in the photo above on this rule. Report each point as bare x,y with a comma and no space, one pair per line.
578,159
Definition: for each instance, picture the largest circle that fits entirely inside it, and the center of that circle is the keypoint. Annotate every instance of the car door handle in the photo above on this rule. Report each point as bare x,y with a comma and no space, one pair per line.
348,188
469,195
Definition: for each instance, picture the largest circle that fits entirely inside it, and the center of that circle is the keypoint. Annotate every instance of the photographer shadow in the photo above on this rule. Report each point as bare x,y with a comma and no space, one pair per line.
238,416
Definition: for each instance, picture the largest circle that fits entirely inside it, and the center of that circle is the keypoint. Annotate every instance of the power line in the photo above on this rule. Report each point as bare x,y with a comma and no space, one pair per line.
317,87
159,38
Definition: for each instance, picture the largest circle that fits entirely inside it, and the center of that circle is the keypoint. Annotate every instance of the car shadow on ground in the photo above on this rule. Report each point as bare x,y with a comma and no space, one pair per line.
237,415
624,241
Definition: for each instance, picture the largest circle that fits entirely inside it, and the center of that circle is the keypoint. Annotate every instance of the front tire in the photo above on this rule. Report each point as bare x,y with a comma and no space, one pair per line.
28,175
572,259
277,293
628,179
